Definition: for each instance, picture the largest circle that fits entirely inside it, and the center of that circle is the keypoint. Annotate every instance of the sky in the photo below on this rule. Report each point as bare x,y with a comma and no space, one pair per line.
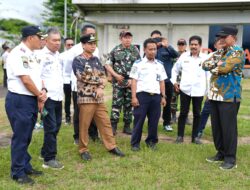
28,10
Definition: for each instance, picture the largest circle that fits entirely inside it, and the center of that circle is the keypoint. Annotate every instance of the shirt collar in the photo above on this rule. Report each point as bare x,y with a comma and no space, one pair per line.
47,51
145,59
190,54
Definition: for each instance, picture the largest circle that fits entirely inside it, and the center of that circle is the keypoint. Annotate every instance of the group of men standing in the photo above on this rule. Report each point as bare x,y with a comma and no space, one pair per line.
36,80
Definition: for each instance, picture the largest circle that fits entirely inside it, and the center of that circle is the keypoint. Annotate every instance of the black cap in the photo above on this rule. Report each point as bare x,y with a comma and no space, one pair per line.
32,30
181,42
88,38
125,33
227,30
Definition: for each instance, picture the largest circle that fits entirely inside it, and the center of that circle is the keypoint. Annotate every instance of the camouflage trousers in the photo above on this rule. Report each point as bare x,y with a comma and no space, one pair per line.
121,98
174,102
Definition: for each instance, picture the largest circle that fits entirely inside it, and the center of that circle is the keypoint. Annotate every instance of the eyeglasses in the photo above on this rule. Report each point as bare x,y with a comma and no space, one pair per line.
181,44
69,44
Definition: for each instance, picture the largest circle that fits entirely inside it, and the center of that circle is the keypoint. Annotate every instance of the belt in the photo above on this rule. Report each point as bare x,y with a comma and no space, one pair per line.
151,94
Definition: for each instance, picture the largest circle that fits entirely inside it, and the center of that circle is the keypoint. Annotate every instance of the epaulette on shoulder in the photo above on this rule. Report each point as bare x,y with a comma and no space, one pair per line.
137,61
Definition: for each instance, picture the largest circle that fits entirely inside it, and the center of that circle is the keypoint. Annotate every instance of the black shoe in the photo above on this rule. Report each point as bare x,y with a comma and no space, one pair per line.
67,120
135,148
127,130
214,159
196,140
227,166
24,180
152,146
179,140
86,156
116,151
34,172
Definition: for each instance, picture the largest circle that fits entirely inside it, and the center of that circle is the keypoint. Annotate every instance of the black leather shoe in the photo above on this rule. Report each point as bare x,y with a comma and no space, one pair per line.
179,140
34,172
196,140
135,148
24,180
215,159
227,166
86,156
116,151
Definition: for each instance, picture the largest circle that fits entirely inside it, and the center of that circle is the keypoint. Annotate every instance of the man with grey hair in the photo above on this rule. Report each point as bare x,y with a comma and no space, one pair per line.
52,77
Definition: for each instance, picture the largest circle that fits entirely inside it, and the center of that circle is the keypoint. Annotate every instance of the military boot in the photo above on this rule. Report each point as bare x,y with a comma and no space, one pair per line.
114,127
127,129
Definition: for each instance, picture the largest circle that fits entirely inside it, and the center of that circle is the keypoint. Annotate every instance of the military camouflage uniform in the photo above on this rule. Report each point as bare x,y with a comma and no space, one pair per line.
174,101
121,60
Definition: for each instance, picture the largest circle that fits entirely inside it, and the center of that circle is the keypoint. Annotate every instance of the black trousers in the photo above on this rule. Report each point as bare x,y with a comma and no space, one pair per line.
166,115
185,104
150,106
224,129
5,78
67,93
93,132
52,124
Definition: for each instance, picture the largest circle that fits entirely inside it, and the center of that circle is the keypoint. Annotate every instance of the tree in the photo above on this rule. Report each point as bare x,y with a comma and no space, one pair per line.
11,29
54,14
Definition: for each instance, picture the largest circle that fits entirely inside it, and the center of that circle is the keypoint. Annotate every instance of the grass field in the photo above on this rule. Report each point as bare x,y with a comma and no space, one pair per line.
172,166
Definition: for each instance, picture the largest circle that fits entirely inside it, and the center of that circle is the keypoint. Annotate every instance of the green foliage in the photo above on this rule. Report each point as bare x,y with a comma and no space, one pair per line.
12,26
54,14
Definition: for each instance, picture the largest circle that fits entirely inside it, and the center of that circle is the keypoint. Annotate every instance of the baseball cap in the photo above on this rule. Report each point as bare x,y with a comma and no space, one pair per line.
125,33
181,42
227,30
88,38
32,30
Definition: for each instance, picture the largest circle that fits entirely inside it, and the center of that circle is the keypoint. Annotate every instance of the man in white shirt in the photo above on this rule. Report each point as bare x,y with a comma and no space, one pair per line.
25,97
53,80
67,68
148,94
192,86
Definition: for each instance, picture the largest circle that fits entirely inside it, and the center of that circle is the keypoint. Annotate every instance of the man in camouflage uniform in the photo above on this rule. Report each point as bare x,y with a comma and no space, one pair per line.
181,45
122,58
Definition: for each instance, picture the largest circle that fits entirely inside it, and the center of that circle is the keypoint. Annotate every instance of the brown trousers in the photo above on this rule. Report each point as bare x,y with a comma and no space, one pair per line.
99,113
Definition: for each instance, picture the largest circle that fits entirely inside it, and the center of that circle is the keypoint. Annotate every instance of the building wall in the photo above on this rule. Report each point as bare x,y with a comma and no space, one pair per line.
109,34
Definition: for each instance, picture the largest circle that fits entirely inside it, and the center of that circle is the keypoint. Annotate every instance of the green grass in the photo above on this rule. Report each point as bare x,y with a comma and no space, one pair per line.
170,167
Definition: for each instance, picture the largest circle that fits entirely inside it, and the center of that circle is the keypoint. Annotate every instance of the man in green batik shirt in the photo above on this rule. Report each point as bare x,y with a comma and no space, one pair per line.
119,66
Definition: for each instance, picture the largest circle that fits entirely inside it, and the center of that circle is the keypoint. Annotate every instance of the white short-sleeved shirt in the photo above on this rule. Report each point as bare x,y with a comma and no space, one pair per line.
23,61
52,74
148,75
4,57
193,77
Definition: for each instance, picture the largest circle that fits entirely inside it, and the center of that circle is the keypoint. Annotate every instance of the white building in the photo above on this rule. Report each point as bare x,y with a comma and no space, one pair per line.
174,18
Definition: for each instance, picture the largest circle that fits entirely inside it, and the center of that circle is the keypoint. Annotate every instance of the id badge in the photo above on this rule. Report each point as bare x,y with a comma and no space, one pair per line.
158,77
